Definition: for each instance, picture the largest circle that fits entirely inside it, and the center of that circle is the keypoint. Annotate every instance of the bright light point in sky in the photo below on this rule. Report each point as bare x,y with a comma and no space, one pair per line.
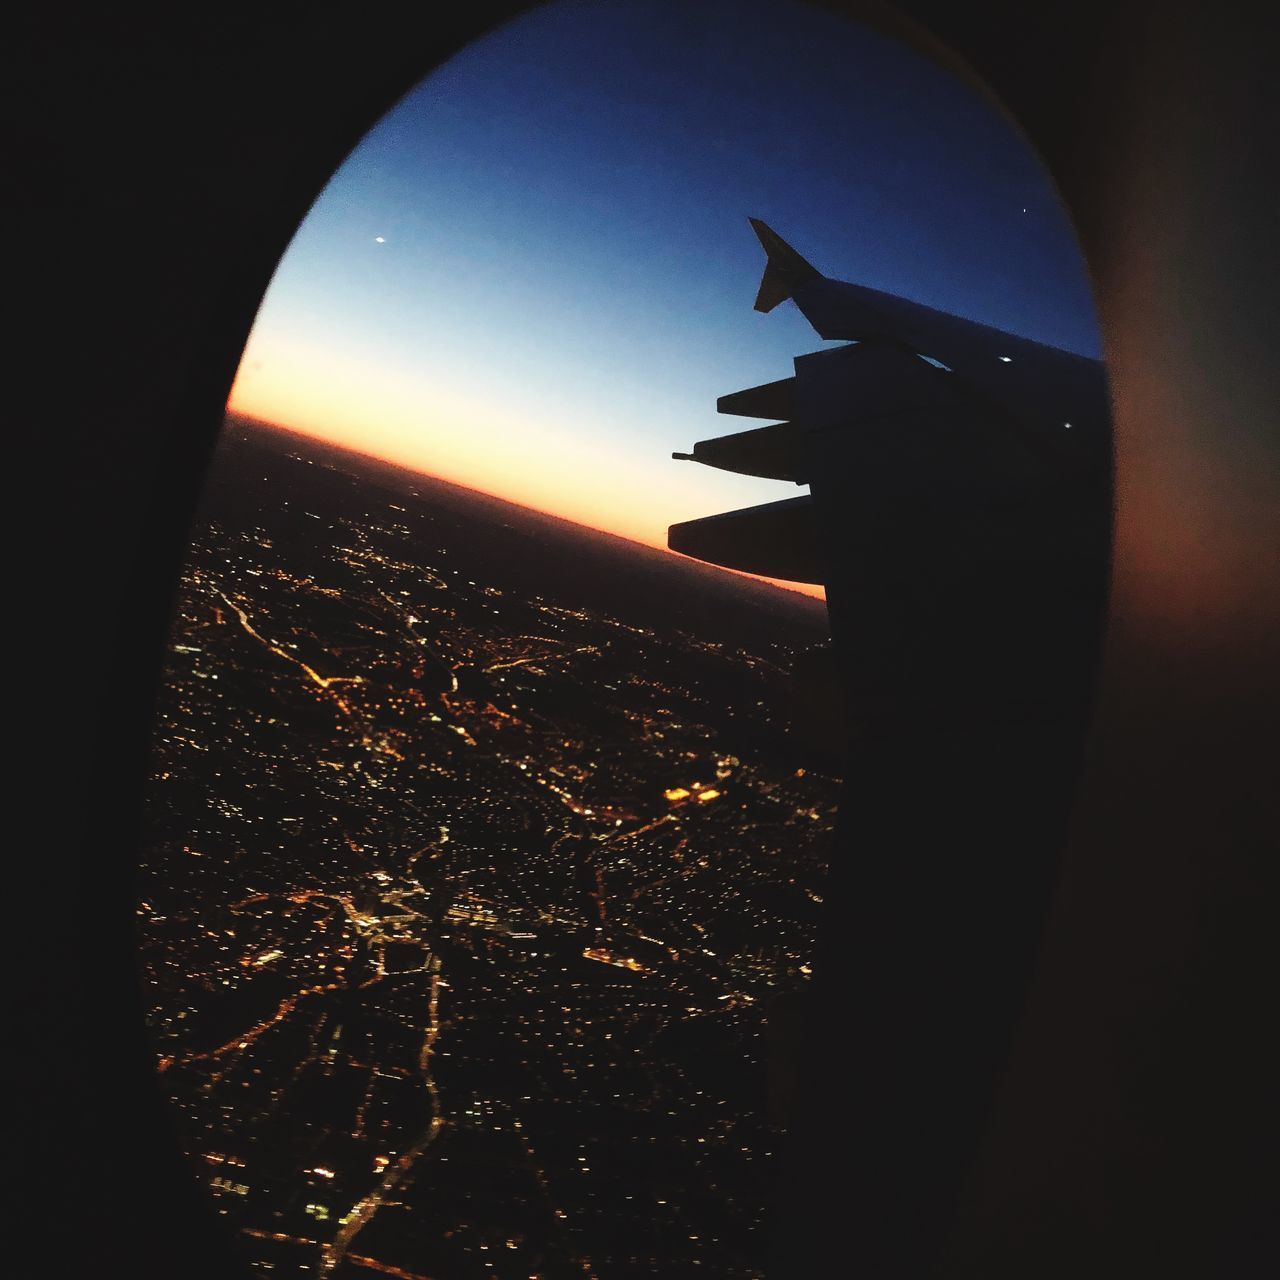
574,272
1007,359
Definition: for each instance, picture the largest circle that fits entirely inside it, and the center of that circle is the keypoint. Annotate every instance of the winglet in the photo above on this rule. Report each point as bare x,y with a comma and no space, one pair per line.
785,270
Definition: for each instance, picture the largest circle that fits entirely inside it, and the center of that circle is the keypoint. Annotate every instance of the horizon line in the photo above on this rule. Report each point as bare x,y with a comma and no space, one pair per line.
795,589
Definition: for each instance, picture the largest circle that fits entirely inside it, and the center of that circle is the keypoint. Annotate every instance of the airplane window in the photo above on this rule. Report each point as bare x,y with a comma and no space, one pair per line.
487,837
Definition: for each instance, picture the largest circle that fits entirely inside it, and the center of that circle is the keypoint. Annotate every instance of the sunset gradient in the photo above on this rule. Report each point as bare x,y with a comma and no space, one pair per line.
535,275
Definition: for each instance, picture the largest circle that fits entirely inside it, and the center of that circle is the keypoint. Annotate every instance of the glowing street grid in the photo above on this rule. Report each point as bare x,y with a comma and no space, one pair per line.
478,851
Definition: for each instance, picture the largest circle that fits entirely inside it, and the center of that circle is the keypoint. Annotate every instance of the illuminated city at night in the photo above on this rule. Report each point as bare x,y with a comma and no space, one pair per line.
470,882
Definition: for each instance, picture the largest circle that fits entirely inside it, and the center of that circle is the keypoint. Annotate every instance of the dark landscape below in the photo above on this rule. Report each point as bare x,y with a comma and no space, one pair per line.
478,852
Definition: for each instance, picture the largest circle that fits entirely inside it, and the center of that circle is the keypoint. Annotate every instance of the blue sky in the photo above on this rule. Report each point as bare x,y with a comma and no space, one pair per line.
535,274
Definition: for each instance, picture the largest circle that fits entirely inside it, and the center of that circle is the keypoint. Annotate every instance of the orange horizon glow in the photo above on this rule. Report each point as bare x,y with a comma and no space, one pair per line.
527,471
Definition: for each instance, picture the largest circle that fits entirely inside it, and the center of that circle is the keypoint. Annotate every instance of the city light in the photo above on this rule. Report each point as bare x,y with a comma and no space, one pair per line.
423,833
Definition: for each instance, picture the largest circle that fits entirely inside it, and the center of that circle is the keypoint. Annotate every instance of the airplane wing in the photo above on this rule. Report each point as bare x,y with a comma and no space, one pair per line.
1057,396
920,410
